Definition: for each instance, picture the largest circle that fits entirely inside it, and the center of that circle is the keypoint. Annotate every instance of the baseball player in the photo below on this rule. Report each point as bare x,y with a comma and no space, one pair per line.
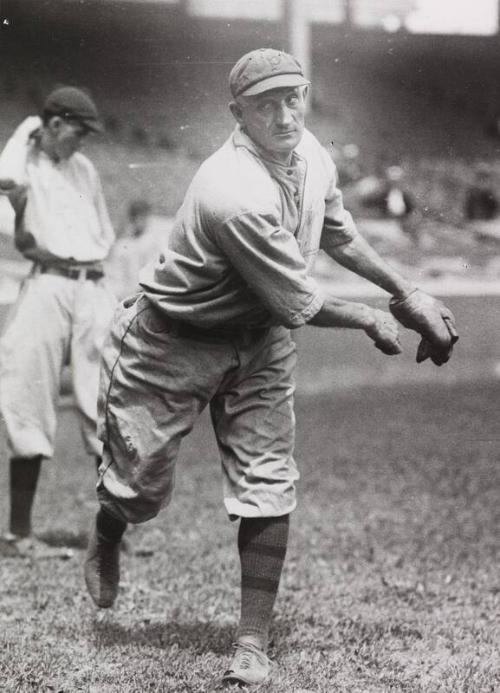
143,237
64,306
212,327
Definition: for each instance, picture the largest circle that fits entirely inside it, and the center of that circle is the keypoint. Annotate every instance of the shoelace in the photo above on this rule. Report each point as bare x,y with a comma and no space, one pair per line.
245,652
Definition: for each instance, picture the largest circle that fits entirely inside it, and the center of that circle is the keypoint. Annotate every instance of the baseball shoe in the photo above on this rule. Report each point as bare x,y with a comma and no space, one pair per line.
102,569
250,666
14,546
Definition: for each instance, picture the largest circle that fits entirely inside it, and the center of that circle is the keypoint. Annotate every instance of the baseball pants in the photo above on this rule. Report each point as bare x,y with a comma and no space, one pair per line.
155,383
55,320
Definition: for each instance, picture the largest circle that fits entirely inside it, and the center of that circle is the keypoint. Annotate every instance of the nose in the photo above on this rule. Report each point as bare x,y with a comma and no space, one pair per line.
284,116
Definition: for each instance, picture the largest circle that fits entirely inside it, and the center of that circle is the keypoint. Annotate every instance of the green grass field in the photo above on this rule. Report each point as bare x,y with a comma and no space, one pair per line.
392,576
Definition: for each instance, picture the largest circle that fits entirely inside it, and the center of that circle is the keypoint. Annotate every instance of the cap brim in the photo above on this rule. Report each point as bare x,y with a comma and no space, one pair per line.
276,82
93,125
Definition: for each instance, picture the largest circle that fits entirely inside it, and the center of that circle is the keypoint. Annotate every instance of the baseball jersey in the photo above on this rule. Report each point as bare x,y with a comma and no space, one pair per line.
131,253
66,212
246,236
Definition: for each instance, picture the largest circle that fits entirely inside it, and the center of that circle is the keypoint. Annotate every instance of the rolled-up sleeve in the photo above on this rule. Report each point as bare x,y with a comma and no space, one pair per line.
268,259
338,227
15,153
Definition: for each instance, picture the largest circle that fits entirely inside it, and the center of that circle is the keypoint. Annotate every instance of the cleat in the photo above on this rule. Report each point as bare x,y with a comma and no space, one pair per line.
250,666
102,569
14,546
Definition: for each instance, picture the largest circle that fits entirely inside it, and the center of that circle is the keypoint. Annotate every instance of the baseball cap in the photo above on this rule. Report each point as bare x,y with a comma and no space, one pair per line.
264,69
73,104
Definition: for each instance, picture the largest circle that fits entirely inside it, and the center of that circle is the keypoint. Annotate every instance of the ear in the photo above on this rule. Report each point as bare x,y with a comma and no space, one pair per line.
305,92
237,111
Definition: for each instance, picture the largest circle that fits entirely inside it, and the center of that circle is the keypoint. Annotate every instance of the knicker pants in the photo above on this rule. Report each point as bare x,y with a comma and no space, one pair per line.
154,385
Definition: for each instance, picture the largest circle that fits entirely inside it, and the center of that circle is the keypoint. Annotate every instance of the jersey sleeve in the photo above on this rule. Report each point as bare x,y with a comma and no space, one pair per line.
268,259
338,226
14,156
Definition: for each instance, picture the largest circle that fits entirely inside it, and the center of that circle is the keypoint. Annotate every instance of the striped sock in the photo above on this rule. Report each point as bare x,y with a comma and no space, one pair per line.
109,528
262,546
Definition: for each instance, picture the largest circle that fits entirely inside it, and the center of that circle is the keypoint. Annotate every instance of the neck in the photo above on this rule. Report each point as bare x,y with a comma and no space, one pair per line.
285,159
282,158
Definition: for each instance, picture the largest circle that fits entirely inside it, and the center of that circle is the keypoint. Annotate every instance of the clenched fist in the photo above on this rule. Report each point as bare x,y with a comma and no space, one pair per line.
383,329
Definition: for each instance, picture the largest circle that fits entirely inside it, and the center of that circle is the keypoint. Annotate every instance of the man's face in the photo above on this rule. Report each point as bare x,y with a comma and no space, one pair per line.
68,136
274,120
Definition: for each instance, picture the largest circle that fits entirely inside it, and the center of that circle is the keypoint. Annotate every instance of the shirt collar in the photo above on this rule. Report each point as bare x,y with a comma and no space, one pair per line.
241,139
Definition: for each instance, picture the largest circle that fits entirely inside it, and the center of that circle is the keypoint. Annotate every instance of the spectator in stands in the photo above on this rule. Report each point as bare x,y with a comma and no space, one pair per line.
386,194
481,201
348,166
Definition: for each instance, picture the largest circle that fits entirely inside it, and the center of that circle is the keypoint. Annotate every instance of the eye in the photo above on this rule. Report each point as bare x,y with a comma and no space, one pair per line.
265,108
292,100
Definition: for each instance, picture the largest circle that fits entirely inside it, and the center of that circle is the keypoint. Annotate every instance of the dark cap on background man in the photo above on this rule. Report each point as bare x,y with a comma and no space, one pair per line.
264,69
72,103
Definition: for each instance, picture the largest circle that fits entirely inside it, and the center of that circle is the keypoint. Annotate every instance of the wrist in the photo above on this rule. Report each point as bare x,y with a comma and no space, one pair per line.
403,291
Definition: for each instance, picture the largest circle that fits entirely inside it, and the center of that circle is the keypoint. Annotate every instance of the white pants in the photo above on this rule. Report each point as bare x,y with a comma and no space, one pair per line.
55,321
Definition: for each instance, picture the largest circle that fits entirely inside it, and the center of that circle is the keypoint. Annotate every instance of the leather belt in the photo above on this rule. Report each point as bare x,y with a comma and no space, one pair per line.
179,328
247,335
91,273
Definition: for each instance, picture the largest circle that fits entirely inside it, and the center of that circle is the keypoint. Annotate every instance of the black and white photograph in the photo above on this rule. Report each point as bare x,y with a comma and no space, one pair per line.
249,346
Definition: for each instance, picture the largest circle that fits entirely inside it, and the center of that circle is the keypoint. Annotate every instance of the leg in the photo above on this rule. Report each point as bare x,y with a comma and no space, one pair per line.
24,473
262,543
254,423
93,311
102,562
32,352
153,386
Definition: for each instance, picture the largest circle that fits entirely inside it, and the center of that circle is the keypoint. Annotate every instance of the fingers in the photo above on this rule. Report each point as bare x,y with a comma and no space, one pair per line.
449,321
423,351
428,351
390,348
7,185
385,333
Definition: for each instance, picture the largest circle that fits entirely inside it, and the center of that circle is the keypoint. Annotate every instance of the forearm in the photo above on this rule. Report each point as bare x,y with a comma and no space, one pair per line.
380,326
38,255
359,257
336,312
24,240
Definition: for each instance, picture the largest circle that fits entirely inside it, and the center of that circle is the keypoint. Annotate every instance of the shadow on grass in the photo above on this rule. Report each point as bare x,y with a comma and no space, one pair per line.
196,636
62,538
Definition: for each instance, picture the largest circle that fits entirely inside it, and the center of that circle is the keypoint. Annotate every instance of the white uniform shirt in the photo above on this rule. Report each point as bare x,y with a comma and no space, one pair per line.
66,212
131,253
